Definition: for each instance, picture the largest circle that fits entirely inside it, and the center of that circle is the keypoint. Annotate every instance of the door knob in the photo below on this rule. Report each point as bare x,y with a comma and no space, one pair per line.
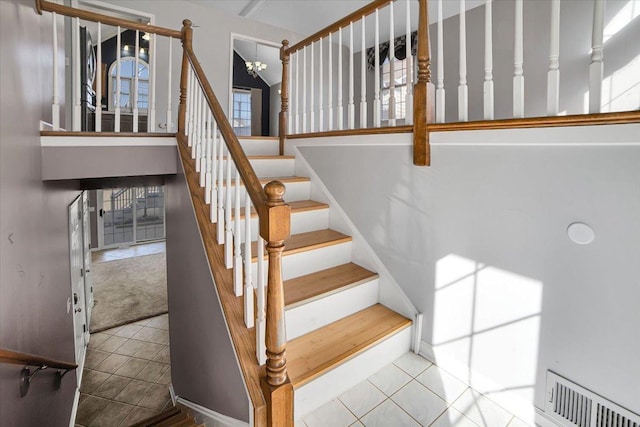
78,310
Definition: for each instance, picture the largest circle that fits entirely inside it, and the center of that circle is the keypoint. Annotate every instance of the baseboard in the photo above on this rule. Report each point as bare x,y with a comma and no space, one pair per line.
173,394
514,404
74,408
207,416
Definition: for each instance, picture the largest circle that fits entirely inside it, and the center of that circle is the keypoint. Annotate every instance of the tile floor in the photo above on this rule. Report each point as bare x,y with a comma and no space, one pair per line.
411,392
129,251
126,374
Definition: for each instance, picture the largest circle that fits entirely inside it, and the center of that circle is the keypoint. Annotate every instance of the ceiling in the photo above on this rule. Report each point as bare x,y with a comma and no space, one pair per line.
306,17
267,54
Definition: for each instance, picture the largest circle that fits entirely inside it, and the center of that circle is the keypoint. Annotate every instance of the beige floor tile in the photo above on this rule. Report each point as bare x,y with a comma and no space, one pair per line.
91,380
112,331
145,334
97,339
133,392
112,344
152,372
112,363
112,416
90,408
132,367
112,387
138,414
156,398
128,331
160,337
165,378
159,322
130,347
163,355
94,358
148,351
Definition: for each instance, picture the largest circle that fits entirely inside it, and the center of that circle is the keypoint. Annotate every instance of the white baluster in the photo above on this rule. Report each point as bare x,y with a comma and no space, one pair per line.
312,107
363,78
377,108
392,71
195,89
215,185
228,238
304,89
260,303
440,91
237,241
518,78
408,106
463,90
55,102
118,82
297,95
134,90
208,157
351,108
196,124
151,101
340,109
596,69
77,105
488,61
190,96
292,98
98,125
330,94
169,127
202,140
220,226
320,106
553,75
249,316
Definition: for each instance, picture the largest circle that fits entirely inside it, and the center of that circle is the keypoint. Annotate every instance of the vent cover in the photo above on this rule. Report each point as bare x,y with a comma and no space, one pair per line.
572,405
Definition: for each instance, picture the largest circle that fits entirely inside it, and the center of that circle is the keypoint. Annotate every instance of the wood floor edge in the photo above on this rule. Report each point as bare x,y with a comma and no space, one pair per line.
243,339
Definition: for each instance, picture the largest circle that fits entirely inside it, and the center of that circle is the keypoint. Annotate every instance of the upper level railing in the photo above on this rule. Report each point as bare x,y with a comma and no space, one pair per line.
338,81
41,363
231,186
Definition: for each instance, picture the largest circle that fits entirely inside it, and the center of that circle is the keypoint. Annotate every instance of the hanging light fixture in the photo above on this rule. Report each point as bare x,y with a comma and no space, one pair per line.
255,66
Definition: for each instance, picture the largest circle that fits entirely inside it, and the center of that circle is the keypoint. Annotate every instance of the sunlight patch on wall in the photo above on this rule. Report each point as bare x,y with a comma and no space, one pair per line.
486,329
628,13
621,90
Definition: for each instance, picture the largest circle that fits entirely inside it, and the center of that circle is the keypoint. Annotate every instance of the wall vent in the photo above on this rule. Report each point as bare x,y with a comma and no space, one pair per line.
571,405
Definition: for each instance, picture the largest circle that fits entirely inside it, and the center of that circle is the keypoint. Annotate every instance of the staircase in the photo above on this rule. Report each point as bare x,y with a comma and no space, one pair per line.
178,416
338,332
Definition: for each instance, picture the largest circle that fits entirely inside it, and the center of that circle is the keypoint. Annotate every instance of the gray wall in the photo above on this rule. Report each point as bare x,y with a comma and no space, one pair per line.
34,251
478,243
204,368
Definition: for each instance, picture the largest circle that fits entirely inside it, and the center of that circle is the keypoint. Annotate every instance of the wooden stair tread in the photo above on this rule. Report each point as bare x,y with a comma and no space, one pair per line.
322,282
296,207
155,419
307,241
266,157
319,351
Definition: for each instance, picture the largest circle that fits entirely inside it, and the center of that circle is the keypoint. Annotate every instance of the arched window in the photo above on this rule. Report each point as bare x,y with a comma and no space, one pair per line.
128,83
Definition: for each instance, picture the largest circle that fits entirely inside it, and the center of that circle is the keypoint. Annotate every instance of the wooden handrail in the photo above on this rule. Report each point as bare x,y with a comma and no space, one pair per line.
274,227
18,358
355,16
43,5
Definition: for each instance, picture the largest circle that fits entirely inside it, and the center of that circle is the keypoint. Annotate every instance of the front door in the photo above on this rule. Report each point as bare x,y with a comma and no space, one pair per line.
76,243
86,250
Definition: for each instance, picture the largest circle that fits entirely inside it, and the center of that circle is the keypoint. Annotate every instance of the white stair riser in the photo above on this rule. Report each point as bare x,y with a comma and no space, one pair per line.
296,191
335,382
328,309
256,147
303,263
269,167
301,222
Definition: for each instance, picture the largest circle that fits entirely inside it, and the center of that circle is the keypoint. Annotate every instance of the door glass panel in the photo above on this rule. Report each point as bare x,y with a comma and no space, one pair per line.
149,213
117,205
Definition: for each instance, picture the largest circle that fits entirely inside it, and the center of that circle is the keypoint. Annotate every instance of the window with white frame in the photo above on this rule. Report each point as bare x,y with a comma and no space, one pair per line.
128,71
400,87
242,112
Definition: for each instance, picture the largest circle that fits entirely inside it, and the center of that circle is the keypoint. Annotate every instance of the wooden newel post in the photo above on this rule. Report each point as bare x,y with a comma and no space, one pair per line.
187,37
423,100
284,94
275,228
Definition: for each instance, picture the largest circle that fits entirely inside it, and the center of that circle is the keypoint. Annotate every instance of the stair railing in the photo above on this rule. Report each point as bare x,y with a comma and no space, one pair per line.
41,363
231,188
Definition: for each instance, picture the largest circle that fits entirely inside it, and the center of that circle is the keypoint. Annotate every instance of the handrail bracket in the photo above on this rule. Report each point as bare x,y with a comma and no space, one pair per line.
25,378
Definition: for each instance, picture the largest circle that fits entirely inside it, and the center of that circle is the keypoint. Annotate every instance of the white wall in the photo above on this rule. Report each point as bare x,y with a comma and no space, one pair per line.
478,242
211,44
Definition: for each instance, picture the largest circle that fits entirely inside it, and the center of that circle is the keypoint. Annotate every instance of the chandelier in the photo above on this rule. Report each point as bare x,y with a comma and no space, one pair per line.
254,67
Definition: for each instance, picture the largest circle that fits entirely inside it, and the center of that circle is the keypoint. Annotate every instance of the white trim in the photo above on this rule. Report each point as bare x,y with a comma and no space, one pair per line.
543,420
172,393
74,407
99,141
210,416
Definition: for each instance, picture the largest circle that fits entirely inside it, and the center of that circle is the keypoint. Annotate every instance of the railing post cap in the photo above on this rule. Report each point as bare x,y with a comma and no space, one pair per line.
187,23
275,191
285,42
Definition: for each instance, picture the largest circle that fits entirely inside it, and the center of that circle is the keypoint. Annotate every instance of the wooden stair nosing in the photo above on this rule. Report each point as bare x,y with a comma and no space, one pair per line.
321,350
267,157
305,289
307,241
296,207
283,179
177,419
151,421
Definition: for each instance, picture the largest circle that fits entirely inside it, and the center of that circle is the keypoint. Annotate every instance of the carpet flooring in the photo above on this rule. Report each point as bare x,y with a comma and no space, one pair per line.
128,290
